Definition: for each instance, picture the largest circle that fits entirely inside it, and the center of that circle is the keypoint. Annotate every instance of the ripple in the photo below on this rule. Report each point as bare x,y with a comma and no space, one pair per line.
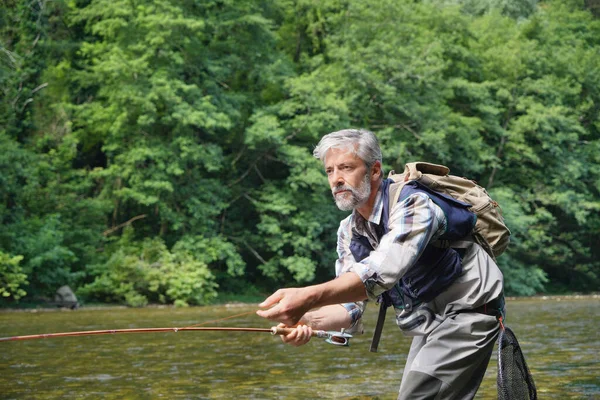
98,377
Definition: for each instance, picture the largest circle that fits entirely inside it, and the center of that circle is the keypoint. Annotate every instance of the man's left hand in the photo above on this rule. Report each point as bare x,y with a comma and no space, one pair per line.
298,337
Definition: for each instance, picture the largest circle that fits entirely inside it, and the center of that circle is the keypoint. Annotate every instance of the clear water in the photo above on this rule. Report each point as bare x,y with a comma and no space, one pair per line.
559,337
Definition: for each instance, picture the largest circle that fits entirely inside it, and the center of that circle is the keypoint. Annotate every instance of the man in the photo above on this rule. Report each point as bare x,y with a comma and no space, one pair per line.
441,295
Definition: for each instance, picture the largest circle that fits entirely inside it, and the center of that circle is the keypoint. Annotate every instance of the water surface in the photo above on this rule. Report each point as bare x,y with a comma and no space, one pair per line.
559,338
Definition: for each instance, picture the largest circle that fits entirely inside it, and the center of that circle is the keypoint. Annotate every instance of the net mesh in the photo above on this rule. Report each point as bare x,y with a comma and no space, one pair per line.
514,379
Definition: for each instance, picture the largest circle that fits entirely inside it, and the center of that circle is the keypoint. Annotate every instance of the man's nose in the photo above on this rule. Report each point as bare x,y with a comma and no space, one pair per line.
336,179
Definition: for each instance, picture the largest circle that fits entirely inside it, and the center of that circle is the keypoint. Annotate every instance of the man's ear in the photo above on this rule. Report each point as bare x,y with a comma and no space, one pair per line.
376,170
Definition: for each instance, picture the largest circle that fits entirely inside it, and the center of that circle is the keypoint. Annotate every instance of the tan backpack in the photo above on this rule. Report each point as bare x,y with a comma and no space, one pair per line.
490,232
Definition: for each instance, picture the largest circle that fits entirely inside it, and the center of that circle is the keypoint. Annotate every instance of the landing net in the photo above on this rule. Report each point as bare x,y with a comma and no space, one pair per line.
514,379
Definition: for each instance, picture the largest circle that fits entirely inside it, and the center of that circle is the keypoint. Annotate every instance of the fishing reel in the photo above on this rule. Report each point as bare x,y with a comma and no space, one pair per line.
335,338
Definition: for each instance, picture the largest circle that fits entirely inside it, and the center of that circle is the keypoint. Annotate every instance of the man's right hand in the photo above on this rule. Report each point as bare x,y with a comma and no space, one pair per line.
287,305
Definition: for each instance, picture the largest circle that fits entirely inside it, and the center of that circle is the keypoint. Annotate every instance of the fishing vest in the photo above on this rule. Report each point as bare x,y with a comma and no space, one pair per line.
438,266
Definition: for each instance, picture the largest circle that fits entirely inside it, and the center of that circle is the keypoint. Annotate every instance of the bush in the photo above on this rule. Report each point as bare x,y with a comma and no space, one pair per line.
138,273
11,276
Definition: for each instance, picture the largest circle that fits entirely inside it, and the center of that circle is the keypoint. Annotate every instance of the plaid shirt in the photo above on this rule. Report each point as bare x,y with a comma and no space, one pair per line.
412,224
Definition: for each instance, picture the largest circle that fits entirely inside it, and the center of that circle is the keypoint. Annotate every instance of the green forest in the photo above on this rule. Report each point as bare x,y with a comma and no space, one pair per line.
160,151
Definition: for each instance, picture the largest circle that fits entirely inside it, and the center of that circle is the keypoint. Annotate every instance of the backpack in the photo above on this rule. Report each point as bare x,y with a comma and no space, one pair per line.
490,231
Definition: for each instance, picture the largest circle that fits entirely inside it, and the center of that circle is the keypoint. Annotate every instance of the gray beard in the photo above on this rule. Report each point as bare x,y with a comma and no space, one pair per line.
356,196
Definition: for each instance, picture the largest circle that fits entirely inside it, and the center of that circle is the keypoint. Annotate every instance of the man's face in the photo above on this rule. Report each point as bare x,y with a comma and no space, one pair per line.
349,179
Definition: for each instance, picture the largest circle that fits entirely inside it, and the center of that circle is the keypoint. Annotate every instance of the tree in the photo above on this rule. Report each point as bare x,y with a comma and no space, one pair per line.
170,141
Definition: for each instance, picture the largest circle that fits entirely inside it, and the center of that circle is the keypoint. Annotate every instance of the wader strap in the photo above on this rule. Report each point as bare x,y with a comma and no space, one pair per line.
493,307
379,326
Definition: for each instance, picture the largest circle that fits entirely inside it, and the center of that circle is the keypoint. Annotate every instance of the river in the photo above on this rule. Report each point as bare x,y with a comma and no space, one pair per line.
559,337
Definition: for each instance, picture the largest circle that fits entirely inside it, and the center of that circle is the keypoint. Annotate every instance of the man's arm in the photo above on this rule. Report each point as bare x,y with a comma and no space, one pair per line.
413,222
334,317
289,305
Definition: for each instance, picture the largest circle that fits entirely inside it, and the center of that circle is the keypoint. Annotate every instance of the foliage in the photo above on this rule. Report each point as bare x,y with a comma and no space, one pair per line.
511,8
136,273
154,150
11,276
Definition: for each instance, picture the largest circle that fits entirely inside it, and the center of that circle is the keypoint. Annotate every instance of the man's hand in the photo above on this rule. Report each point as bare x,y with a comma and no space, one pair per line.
298,337
287,305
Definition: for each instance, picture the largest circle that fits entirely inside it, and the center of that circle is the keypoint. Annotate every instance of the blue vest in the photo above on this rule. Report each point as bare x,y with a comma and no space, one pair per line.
437,267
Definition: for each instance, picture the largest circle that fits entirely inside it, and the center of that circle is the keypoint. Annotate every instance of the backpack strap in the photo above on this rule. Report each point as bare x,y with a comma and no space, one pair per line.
399,180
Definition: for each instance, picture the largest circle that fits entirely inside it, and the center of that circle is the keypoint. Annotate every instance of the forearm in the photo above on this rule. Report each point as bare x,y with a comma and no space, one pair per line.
346,288
329,318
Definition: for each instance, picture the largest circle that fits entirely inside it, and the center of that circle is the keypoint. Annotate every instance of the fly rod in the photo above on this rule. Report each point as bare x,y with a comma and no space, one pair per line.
335,338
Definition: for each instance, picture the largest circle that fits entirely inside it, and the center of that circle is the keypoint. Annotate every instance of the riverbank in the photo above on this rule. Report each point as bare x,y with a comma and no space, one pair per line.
244,301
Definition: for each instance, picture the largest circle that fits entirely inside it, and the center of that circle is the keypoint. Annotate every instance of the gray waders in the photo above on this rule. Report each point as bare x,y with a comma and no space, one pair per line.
452,346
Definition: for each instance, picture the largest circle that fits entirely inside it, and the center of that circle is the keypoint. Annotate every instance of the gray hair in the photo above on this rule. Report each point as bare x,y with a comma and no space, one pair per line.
361,142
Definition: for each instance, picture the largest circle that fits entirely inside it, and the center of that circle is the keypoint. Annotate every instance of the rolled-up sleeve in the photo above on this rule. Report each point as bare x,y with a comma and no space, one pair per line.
355,311
412,224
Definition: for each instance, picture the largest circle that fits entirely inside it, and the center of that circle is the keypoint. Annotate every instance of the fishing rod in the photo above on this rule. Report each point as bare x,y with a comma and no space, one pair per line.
336,338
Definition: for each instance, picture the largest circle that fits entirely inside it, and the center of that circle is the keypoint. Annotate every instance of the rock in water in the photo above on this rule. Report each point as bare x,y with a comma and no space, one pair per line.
65,297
